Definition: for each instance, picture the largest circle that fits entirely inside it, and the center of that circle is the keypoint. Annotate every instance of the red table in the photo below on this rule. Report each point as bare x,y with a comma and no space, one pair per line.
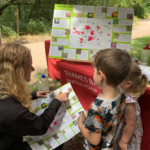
81,78
53,69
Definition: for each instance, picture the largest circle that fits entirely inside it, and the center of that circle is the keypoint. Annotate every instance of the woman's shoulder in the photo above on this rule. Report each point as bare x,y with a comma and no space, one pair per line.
11,109
9,104
8,99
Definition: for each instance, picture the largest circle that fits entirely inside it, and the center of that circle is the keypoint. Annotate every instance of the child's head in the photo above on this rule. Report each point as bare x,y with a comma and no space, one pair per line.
111,66
135,83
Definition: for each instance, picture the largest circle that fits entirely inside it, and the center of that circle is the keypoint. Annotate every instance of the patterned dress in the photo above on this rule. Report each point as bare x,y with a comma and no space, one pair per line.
135,142
105,117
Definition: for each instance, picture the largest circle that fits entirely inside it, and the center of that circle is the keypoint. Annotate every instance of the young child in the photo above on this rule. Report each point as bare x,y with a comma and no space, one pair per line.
134,85
105,115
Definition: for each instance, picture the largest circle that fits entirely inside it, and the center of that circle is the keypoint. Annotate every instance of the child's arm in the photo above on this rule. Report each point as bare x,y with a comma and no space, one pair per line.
130,119
92,137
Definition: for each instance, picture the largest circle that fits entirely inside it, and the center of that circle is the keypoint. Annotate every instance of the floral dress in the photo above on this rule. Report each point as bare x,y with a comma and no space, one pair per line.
135,142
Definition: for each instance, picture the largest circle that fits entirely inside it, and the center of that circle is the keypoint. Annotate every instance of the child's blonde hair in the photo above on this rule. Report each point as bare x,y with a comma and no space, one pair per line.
139,80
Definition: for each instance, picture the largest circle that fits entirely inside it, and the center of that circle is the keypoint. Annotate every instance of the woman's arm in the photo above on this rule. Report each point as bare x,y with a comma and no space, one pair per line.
130,119
20,121
34,95
39,94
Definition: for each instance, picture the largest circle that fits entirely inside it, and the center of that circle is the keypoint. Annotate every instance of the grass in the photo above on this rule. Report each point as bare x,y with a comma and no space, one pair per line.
147,11
137,47
53,84
33,88
135,21
38,75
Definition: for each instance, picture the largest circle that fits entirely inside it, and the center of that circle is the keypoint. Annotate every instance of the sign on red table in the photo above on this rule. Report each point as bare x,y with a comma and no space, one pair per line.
82,83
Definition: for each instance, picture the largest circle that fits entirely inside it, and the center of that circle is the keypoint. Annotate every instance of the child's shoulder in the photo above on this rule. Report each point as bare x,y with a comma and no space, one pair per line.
130,99
109,103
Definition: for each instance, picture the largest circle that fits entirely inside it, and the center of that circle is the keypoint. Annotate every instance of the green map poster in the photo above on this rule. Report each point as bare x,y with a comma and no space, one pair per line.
79,32
64,126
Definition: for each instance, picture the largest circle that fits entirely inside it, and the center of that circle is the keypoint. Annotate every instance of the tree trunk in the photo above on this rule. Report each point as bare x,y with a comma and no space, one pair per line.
5,6
19,8
37,9
11,2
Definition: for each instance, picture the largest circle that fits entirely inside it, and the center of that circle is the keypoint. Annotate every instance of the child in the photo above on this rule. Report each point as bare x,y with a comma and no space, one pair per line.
105,115
131,133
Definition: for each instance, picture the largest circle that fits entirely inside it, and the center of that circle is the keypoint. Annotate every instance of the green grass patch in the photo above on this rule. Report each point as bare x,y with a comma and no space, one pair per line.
135,21
137,47
53,84
147,11
38,75
33,88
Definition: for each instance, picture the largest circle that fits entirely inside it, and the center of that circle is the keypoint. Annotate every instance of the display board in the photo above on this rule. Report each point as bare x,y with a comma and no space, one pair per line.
64,125
79,32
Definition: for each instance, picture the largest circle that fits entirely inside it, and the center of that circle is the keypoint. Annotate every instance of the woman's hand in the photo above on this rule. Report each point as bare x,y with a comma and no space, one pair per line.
63,97
42,94
123,145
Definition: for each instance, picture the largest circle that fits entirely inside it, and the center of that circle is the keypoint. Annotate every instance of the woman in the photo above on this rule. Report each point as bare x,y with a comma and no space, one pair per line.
16,120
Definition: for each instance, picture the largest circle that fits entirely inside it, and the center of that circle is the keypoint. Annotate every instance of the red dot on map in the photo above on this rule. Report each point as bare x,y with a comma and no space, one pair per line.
87,27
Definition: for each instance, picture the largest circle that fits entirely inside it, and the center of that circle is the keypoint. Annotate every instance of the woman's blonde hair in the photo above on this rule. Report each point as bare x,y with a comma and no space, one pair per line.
139,80
13,57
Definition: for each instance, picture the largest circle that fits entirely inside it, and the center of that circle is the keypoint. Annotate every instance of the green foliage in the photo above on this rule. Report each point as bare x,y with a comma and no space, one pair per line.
147,10
135,21
38,75
37,27
139,10
137,47
36,16
33,88
7,31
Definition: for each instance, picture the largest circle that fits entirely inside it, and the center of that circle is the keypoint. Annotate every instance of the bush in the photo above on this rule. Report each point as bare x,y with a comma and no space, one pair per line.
37,27
147,10
23,28
7,31
139,10
137,47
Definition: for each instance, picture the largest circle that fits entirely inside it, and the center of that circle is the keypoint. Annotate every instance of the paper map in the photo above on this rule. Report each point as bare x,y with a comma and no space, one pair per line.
64,125
79,32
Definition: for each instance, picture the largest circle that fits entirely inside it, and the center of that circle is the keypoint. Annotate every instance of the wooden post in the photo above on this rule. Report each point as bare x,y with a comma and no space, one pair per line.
17,22
0,37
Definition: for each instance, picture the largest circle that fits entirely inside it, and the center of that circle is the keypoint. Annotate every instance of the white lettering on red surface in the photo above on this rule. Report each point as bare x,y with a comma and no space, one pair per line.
82,85
71,74
91,82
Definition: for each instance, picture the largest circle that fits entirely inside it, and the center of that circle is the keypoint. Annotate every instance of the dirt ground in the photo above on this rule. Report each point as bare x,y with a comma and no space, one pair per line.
143,29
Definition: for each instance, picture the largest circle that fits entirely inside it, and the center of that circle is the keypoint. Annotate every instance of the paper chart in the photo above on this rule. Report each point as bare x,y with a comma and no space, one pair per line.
64,125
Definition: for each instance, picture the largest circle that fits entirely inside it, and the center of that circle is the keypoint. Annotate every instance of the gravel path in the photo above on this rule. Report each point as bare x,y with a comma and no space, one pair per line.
143,29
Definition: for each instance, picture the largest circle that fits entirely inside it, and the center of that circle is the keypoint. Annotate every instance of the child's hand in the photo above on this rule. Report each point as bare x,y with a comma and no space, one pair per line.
81,119
123,145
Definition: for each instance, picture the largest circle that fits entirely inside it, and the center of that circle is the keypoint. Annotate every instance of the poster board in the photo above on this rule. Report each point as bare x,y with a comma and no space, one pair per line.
64,125
79,32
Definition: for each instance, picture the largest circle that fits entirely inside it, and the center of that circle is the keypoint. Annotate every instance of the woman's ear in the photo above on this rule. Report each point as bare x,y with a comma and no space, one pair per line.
129,84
